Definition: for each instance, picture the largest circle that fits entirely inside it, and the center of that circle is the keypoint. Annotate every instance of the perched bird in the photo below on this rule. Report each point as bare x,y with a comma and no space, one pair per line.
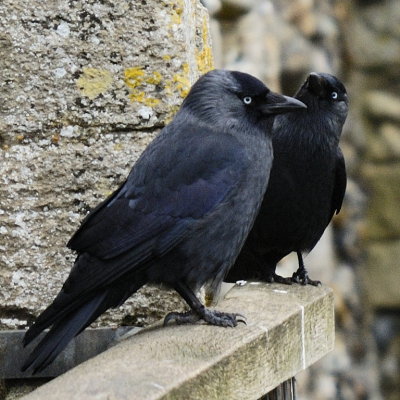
181,216
306,186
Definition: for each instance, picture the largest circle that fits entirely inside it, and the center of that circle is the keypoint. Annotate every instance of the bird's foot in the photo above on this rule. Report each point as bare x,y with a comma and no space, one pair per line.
275,278
301,276
219,318
212,317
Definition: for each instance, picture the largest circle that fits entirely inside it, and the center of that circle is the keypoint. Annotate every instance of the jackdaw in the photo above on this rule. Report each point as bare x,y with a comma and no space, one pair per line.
180,218
306,185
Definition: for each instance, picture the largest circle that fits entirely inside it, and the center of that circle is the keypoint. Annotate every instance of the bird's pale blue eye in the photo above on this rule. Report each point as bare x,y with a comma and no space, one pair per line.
334,95
247,100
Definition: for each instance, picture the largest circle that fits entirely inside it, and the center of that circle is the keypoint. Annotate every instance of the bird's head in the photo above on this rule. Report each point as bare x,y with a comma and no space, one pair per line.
325,92
238,96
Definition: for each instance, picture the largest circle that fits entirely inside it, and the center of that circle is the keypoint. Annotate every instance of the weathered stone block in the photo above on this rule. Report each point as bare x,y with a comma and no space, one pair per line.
383,188
124,64
382,105
372,35
383,143
381,274
85,87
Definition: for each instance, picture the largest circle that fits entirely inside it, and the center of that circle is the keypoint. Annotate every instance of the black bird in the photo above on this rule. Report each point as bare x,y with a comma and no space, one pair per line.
306,186
181,216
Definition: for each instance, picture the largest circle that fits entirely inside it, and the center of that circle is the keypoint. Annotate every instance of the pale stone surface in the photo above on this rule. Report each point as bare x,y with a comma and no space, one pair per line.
251,44
372,44
85,87
97,64
383,143
381,275
288,328
372,34
383,105
383,185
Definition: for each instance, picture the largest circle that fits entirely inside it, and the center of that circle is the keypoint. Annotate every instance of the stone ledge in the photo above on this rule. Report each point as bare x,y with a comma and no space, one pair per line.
288,328
87,345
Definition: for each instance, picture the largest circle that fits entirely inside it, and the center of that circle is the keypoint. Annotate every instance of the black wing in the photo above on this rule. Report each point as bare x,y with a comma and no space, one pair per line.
177,181
340,183
171,187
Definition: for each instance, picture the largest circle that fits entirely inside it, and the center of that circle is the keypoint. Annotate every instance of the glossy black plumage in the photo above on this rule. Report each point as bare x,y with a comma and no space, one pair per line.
181,216
306,186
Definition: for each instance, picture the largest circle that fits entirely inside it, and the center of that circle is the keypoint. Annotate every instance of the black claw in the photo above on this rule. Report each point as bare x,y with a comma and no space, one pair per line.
198,311
219,318
302,278
212,317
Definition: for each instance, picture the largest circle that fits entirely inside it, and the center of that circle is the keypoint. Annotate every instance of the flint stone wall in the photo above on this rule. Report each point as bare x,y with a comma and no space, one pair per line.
85,86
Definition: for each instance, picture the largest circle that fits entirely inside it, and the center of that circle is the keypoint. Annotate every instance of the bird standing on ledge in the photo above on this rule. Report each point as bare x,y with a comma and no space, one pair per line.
306,186
180,218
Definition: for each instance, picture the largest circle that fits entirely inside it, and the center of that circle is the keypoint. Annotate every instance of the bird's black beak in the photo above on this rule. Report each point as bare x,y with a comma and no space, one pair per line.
279,104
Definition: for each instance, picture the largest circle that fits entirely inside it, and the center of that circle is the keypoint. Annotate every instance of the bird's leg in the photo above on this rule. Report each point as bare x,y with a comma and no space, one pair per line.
301,275
199,311
269,273
252,264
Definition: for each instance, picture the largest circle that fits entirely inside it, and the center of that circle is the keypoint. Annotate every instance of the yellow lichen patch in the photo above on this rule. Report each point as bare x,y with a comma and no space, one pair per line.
151,101
154,79
176,13
139,97
204,57
93,82
136,78
204,60
182,84
133,77
179,83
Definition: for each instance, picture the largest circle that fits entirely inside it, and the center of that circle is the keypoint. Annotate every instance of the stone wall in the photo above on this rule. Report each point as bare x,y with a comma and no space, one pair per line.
373,50
85,86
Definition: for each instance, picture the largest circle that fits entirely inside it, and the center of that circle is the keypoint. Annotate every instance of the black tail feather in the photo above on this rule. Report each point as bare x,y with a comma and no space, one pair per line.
51,315
66,325
62,332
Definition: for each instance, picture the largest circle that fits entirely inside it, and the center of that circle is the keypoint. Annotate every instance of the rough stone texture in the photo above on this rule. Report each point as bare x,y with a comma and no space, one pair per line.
372,46
384,143
382,105
381,270
372,33
281,42
288,328
97,64
85,86
383,185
